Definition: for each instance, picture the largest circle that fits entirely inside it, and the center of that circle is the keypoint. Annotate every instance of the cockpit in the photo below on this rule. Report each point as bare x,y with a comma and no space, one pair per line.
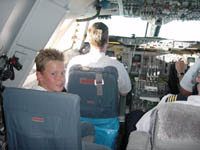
146,36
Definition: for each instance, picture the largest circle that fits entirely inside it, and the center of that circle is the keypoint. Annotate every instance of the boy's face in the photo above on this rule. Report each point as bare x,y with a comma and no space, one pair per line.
53,76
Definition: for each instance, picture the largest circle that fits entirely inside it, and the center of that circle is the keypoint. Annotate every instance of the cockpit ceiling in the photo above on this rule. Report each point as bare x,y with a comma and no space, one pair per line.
166,10
163,10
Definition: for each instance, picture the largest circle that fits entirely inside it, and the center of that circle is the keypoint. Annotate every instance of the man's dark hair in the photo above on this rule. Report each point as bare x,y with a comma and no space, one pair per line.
98,33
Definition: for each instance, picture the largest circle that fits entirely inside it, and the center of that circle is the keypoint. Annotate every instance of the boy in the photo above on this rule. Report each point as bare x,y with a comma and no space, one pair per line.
50,70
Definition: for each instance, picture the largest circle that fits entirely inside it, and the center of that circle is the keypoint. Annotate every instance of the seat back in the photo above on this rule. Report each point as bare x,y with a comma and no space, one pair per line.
40,120
98,89
177,126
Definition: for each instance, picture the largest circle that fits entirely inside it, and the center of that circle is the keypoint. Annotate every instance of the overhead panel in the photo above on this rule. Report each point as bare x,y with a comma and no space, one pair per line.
111,7
40,25
165,9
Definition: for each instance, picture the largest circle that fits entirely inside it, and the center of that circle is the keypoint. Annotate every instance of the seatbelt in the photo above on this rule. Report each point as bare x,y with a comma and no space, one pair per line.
98,83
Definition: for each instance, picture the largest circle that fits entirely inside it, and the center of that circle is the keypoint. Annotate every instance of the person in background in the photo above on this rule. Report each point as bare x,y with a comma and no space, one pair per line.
144,124
176,73
98,40
50,70
187,83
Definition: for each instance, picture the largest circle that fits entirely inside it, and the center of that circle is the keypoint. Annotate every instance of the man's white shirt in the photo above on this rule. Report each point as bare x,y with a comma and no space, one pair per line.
98,59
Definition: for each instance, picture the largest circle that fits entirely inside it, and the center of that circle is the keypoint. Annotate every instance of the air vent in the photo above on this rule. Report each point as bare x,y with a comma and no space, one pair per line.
62,3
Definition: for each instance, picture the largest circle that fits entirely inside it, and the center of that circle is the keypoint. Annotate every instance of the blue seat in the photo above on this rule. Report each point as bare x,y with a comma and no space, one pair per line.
40,120
98,89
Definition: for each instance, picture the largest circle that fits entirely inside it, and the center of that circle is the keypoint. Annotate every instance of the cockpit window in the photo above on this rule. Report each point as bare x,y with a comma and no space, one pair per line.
181,30
69,34
124,26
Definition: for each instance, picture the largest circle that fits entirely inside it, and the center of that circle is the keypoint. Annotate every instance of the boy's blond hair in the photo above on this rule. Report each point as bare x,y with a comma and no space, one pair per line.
46,55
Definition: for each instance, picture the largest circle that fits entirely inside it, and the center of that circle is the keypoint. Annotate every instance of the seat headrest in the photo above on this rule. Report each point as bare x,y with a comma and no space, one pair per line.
41,120
176,126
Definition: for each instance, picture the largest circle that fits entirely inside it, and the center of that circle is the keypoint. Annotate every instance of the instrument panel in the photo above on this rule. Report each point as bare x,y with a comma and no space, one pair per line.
148,70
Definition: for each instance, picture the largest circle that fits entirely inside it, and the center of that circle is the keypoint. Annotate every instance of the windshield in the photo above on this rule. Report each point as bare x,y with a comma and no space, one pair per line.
70,34
181,30
176,30
123,26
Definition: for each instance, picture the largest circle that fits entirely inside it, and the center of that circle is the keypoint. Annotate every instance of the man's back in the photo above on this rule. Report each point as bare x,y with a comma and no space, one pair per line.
98,59
98,39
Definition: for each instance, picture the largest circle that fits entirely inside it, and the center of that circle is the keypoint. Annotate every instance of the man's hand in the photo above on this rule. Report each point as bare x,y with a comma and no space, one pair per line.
180,66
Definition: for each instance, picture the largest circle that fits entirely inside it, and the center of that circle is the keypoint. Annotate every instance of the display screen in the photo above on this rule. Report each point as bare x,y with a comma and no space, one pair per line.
110,53
137,58
191,59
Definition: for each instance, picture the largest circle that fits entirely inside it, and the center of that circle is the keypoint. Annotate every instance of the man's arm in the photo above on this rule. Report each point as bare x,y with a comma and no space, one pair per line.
180,68
124,82
187,81
185,92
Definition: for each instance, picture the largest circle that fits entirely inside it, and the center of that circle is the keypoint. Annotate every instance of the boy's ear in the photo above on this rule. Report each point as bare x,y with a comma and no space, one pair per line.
39,75
198,79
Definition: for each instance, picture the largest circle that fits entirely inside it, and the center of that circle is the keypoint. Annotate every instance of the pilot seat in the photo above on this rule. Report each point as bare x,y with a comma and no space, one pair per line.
98,90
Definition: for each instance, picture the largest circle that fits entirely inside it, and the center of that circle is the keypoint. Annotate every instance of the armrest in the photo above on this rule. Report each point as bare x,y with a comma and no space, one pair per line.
139,140
122,108
93,146
87,131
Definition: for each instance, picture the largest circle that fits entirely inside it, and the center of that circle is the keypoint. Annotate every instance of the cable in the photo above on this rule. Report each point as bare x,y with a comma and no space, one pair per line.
98,8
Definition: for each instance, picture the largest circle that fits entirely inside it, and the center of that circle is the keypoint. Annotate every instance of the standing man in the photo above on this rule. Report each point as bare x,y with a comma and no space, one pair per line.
98,39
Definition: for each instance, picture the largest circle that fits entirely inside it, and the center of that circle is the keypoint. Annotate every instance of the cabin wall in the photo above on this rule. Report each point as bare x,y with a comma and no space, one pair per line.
6,8
15,19
27,30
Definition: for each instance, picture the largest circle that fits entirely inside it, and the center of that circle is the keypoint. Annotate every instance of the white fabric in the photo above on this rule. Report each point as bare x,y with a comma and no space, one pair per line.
187,79
144,124
191,100
97,59
37,87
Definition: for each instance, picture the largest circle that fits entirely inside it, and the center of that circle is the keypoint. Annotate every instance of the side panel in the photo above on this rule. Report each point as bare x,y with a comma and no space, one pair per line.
40,25
33,35
13,20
